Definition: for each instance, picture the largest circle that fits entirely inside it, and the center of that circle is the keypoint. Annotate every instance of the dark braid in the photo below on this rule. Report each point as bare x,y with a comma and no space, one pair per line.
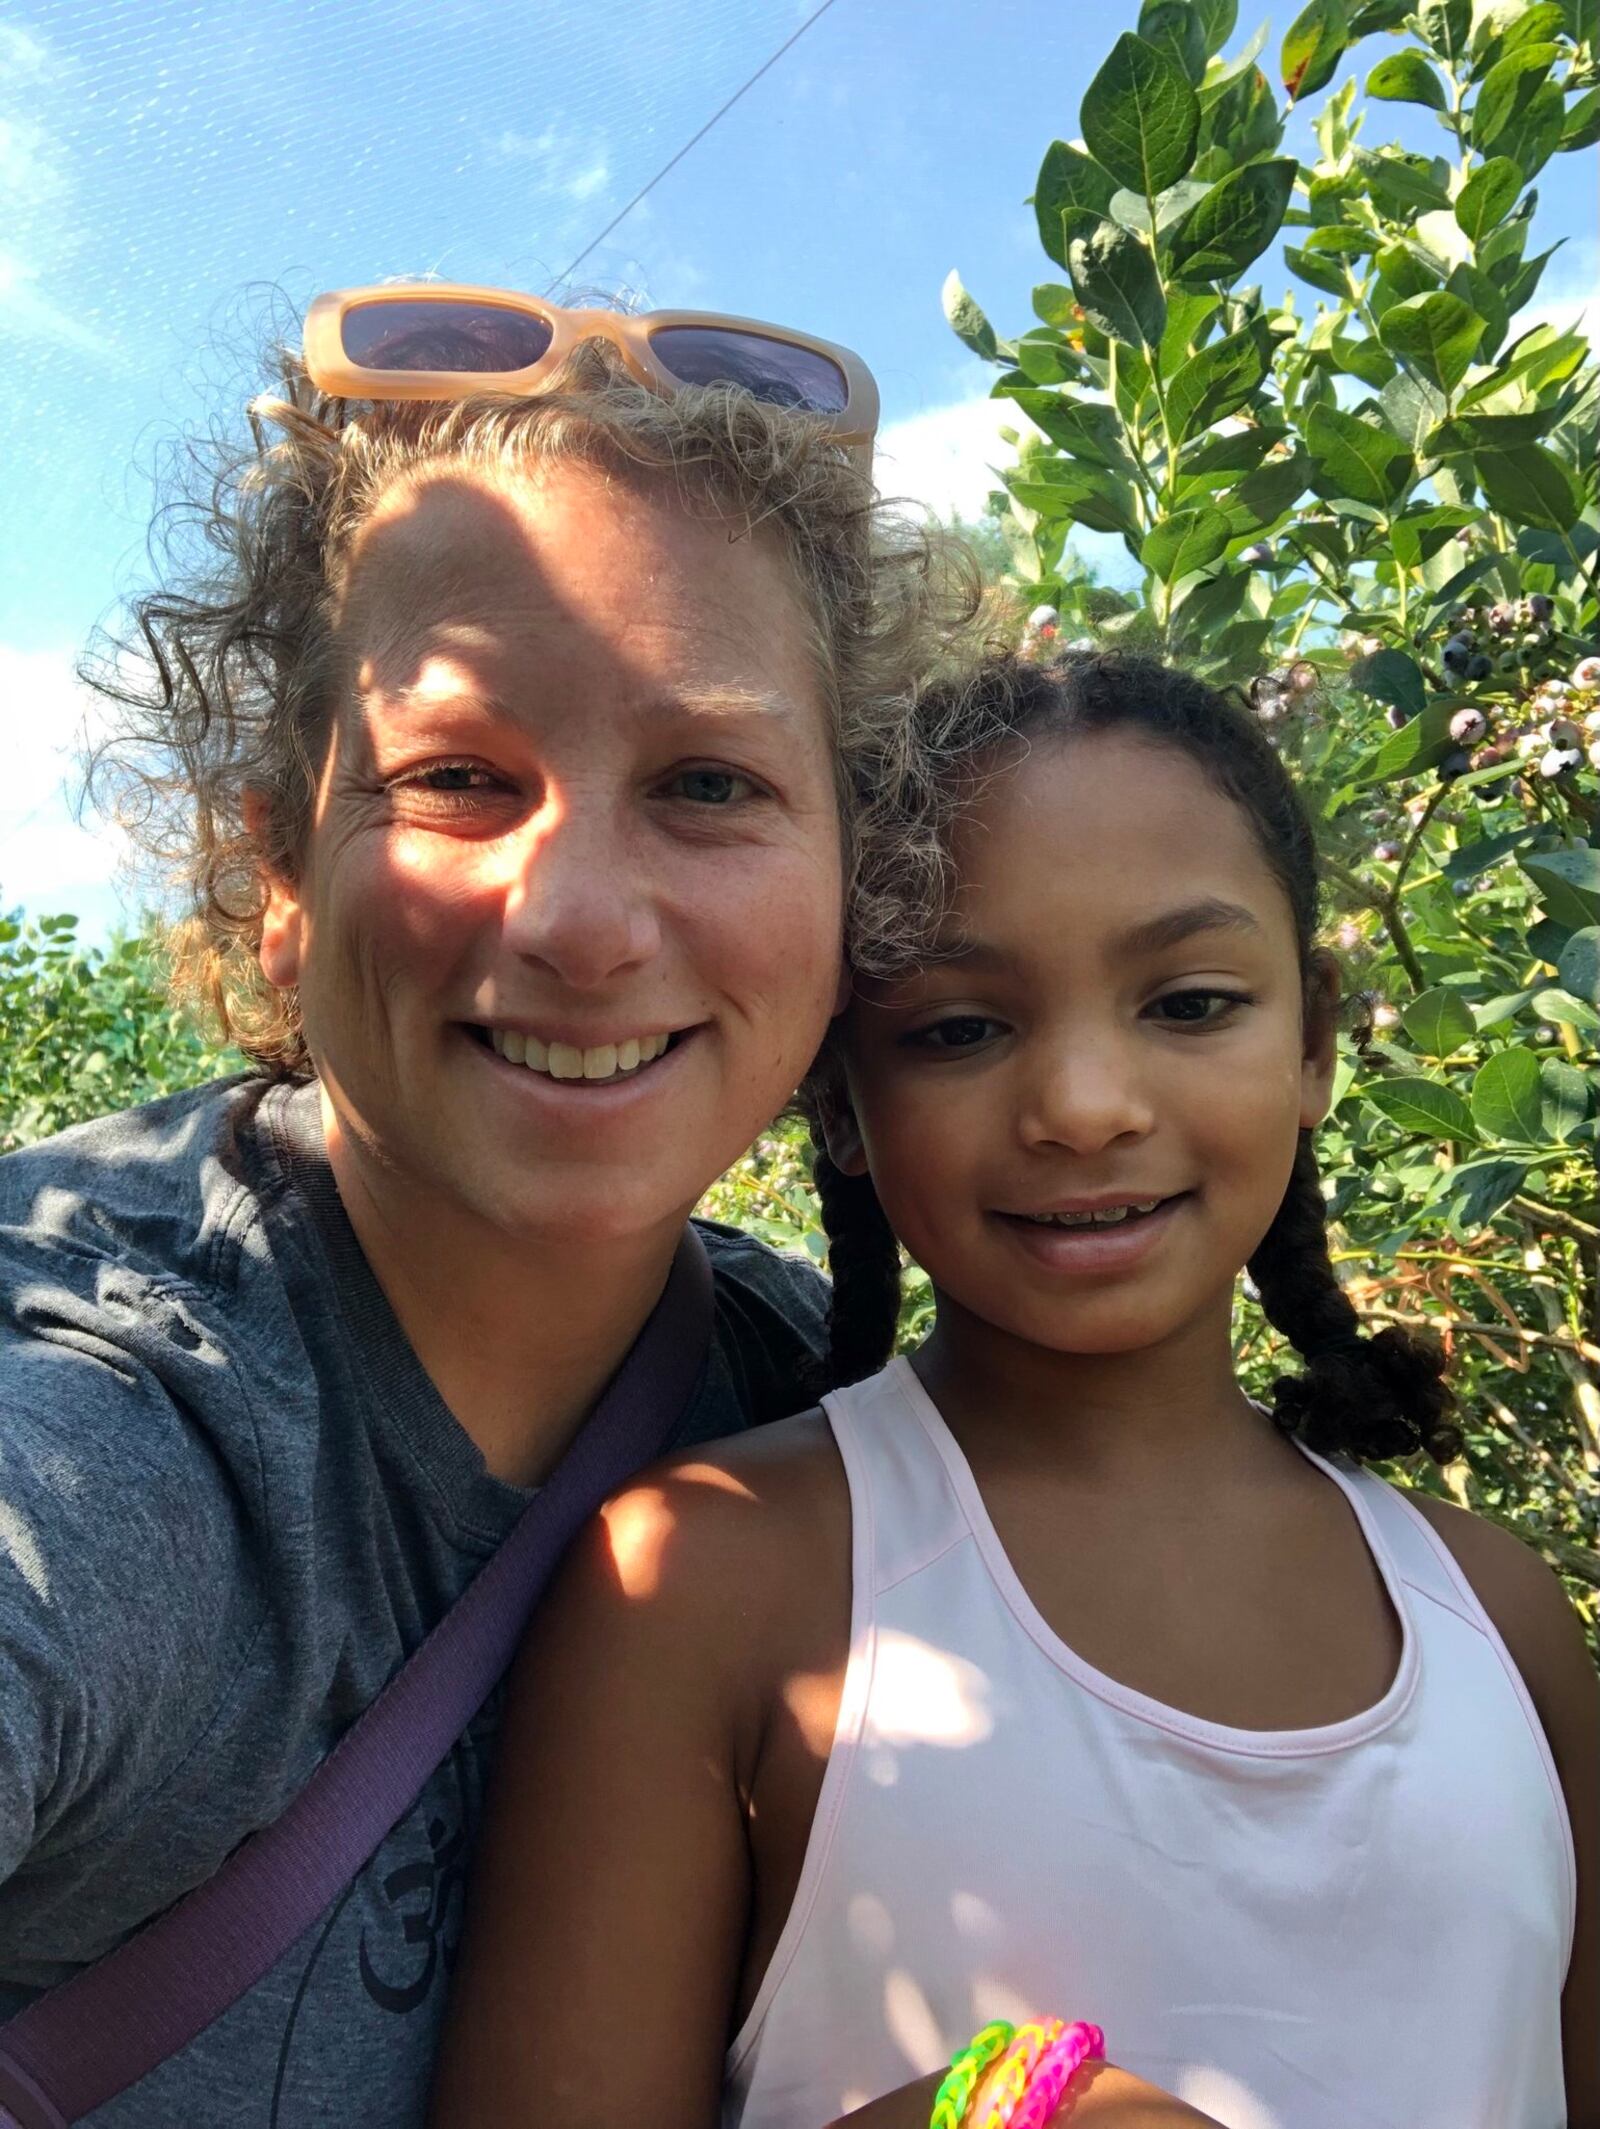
864,1262
1374,1397
1364,1397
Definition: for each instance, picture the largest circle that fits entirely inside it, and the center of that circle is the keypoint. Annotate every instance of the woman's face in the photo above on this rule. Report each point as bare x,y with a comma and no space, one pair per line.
579,808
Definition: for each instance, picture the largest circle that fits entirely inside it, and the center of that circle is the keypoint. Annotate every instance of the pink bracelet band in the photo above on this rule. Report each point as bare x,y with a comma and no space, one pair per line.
1054,2071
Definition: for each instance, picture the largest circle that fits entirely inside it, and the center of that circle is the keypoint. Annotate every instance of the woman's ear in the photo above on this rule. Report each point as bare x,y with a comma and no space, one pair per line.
283,913
1320,1053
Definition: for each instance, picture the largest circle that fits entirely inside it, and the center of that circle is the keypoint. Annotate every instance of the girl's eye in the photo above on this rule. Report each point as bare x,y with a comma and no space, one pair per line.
711,787
963,1031
1199,1008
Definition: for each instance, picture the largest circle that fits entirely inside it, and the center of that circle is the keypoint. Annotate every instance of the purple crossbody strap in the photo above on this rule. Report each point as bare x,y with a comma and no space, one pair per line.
83,2042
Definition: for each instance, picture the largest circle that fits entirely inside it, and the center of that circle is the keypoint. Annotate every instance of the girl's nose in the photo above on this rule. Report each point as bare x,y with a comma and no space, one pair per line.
1083,1091
580,901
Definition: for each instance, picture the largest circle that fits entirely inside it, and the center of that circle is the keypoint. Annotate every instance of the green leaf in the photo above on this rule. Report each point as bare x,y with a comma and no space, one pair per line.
1488,196
1217,20
1478,1189
1406,77
1085,495
1314,46
1581,127
1114,278
1564,1099
1403,184
1411,409
1234,223
1216,382
1174,27
1435,334
1530,485
1416,747
1072,190
1508,92
1439,1022
1556,1004
1392,677
1446,25
1506,1097
1424,1106
1356,458
1569,882
1532,131
1418,536
1263,496
1083,427
1491,432
1184,542
1579,966
967,321
1141,117
1541,23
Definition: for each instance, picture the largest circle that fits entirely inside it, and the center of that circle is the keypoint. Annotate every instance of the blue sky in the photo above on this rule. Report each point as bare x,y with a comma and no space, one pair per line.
166,165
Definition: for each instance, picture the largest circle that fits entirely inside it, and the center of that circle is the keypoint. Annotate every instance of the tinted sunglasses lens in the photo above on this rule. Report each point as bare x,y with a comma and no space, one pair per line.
483,337
773,370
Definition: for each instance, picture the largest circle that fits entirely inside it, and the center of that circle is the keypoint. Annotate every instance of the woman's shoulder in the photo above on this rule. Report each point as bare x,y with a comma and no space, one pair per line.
772,1319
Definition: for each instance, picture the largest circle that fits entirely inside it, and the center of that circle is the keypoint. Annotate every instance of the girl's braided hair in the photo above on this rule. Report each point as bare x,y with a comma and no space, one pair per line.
1366,1397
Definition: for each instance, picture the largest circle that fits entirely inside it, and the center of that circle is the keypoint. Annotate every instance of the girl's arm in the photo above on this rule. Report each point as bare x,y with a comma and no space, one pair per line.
1540,1629
607,1915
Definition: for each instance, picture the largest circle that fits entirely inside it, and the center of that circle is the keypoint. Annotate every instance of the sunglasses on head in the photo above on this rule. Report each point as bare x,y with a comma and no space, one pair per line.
439,341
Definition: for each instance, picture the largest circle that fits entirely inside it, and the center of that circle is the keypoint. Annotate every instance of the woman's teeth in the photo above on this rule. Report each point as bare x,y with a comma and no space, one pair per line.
564,1060
1108,1216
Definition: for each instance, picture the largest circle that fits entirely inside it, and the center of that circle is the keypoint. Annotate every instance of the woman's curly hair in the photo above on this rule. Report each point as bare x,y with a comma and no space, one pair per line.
1358,1395
222,690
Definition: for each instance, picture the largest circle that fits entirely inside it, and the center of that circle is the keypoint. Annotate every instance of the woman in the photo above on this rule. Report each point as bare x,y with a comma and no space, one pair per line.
504,750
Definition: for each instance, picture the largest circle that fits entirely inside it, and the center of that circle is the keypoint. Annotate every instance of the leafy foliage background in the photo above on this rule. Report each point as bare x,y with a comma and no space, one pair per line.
1375,505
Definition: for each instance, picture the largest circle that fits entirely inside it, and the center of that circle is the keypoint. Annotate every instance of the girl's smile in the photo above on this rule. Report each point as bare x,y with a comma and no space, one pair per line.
1081,1116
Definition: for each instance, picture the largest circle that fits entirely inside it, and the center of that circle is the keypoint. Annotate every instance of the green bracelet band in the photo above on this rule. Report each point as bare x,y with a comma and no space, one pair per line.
954,2096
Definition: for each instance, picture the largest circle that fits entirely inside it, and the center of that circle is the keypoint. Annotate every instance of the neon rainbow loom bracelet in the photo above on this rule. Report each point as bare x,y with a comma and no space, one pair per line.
1056,2068
1004,2090
954,2096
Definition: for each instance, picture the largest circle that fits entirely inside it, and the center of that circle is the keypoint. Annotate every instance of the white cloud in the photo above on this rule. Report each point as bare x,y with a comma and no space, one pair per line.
1569,295
946,458
588,182
47,860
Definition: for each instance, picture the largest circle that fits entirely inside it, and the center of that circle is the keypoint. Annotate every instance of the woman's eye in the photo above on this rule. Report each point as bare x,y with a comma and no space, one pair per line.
452,779
963,1031
711,787
1198,1008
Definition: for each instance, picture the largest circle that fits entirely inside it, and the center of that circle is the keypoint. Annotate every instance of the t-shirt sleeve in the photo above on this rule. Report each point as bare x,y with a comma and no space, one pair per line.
121,1610
772,1321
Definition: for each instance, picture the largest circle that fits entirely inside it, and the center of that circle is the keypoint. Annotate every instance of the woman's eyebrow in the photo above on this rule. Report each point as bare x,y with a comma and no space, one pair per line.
1173,926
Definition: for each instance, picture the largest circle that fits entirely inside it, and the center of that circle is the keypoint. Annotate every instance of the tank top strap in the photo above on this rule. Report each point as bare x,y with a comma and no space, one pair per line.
907,1511
1422,1561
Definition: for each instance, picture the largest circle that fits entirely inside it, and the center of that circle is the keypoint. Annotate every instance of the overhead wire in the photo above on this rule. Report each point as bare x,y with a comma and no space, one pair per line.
721,112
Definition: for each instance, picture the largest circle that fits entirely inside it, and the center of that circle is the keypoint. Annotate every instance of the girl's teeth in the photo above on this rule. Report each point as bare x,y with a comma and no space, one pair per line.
1112,1216
564,1060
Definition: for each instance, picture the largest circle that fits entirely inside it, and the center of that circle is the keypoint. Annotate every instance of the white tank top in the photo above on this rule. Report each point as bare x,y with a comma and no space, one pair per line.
1363,1926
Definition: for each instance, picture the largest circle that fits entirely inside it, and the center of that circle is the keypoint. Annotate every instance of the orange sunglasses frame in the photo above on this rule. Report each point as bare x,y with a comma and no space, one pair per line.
332,371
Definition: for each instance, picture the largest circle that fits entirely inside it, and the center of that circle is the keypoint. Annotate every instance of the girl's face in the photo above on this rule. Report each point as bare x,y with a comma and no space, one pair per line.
1082,1122
580,804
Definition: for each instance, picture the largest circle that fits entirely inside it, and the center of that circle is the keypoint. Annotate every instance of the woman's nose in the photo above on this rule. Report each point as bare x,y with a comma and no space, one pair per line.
1083,1091
580,900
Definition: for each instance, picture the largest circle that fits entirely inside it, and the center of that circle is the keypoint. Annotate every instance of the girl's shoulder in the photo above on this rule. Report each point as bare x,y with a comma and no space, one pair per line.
728,1563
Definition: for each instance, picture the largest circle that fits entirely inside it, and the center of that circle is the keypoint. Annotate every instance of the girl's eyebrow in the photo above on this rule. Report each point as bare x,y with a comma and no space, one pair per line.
1173,926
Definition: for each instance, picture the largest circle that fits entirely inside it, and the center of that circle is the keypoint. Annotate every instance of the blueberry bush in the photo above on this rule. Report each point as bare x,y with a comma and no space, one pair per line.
85,1030
1372,503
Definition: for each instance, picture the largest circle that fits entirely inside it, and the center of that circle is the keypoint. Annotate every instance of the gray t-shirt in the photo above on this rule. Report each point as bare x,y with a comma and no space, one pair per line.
231,1504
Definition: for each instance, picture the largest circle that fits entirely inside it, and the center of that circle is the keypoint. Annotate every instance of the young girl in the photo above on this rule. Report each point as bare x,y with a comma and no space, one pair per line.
1045,1672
